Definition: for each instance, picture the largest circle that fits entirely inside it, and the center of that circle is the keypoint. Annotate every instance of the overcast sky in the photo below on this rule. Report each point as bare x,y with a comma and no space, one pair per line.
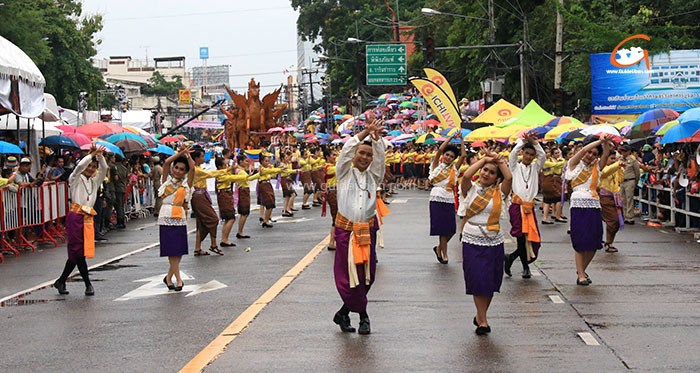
256,38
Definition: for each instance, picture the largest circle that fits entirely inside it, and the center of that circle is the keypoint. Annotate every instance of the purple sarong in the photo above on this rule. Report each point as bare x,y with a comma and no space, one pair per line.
483,268
354,298
516,226
74,238
586,229
173,240
442,219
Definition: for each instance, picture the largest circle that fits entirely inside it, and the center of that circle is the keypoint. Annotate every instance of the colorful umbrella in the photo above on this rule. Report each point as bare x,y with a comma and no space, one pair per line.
393,133
558,130
78,138
126,136
70,129
407,104
107,146
163,150
661,129
405,137
170,139
478,144
421,139
97,129
603,129
276,129
9,148
465,132
681,132
430,141
562,120
449,131
432,123
59,142
649,120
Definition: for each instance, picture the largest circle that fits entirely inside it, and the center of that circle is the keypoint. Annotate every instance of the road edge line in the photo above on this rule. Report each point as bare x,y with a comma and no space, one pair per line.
43,285
217,347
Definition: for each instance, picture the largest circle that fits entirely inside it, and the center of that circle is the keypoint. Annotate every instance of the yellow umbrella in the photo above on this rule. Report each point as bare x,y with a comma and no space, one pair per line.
481,134
421,139
622,124
505,132
558,130
667,126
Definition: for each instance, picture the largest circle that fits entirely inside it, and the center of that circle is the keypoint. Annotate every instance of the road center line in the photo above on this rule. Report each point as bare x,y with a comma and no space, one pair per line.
588,339
212,351
50,282
556,299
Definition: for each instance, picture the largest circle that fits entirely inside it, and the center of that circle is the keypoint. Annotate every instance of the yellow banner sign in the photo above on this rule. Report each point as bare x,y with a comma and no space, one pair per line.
439,101
439,79
185,97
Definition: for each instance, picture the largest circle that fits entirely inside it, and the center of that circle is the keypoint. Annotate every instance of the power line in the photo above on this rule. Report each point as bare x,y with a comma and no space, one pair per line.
254,54
197,14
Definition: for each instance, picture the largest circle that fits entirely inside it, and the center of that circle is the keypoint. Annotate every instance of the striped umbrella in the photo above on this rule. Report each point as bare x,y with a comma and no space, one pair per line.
562,120
663,128
649,120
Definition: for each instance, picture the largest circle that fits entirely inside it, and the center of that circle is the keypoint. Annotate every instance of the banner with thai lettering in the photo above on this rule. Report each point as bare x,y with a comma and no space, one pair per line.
439,101
439,79
200,124
672,81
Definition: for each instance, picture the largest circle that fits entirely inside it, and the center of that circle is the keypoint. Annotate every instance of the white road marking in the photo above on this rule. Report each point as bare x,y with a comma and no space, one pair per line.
588,338
556,299
535,273
281,219
155,286
398,200
142,227
50,282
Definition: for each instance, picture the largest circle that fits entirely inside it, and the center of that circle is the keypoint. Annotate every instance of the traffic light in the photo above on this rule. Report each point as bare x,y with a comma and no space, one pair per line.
569,103
429,50
559,101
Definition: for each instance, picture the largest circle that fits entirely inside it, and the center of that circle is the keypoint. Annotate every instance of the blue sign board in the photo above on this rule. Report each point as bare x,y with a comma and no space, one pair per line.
204,53
672,81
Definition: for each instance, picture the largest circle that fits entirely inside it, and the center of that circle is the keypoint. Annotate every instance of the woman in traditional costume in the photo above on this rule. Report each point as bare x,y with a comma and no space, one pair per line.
330,191
611,204
482,239
175,192
551,186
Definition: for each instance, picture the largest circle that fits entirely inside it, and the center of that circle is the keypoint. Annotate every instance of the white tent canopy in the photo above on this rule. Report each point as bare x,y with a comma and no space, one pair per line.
16,65
137,118
9,123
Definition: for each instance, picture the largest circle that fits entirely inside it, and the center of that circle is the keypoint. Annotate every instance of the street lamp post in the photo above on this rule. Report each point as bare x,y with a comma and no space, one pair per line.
433,12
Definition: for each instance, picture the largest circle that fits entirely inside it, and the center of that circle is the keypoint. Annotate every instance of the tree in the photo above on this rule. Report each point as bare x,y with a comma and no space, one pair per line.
158,85
60,41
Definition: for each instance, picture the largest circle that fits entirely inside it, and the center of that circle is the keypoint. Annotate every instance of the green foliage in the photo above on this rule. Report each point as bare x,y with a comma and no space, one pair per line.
64,57
590,26
158,85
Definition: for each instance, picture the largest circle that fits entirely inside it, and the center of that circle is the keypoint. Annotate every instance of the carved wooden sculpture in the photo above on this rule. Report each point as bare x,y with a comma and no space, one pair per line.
249,117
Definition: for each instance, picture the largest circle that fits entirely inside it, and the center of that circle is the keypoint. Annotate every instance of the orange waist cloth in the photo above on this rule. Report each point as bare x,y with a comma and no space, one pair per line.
529,227
361,238
88,229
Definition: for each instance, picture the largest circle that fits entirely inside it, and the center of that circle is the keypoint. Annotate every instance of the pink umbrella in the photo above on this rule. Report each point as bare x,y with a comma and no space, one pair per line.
70,129
77,137
276,129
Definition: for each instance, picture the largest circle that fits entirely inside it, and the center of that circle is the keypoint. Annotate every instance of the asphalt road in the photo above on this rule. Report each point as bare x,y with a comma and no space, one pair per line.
640,313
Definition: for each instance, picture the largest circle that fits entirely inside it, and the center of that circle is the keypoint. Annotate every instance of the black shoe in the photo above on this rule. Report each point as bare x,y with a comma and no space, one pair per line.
588,278
240,236
547,222
224,244
165,281
474,322
364,326
582,283
508,264
526,272
61,287
483,330
331,248
265,225
179,288
89,290
261,220
100,239
439,258
273,220
305,207
344,322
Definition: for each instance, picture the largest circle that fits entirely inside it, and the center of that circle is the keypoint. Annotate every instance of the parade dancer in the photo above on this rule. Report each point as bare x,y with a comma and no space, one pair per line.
243,192
305,178
317,164
525,185
84,183
360,169
225,200
551,186
175,193
288,192
207,219
443,176
267,193
610,200
583,172
330,191
482,239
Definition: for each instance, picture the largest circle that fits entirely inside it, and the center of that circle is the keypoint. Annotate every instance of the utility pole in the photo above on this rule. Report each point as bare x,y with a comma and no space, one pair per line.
492,26
524,91
558,48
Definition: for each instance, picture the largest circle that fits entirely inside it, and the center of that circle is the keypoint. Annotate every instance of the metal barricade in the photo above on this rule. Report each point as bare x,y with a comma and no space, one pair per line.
61,206
9,221
653,202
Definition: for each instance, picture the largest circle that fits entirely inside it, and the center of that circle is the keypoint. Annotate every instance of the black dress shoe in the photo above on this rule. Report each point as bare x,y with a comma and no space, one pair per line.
483,330
331,248
165,281
508,264
225,244
439,258
61,287
100,239
239,236
364,326
305,207
582,283
179,288
526,272
344,322
588,278
474,322
89,290
261,220
265,225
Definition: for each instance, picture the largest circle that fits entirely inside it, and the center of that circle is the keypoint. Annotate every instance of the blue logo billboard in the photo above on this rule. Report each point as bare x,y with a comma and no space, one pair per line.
203,53
672,81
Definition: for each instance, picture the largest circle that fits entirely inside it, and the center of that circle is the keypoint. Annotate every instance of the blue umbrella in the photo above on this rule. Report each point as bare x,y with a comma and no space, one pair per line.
680,132
8,148
59,142
465,132
110,147
125,136
163,150
395,133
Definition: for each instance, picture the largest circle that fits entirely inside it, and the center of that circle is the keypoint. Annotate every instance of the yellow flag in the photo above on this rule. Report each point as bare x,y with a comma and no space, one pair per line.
439,79
439,101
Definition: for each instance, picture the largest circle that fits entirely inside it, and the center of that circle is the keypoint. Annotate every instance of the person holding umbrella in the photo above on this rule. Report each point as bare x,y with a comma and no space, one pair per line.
84,183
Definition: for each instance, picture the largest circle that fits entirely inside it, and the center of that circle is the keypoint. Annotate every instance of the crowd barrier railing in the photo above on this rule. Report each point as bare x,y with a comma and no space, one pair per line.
650,198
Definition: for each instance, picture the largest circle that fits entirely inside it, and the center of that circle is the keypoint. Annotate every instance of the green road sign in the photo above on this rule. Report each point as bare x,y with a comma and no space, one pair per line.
386,64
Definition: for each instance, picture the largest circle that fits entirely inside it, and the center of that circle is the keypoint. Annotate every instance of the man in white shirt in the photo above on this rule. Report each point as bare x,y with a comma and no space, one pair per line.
359,170
522,213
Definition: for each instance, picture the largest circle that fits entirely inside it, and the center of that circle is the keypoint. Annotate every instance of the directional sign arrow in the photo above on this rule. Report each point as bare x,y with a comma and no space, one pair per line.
281,219
155,286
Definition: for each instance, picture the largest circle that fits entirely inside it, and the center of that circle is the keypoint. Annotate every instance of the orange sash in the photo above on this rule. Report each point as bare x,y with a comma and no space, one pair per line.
584,175
88,229
529,227
361,239
179,204
382,210
481,201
